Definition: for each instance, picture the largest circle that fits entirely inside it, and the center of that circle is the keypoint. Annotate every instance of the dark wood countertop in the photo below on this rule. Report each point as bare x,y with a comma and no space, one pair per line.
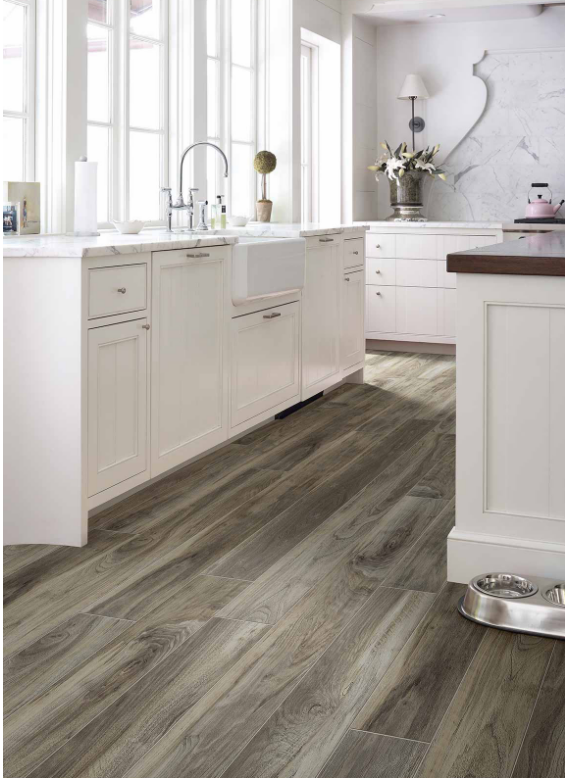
537,255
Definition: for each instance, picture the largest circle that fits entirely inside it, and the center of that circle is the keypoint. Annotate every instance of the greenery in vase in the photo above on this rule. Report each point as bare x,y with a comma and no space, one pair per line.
396,164
264,163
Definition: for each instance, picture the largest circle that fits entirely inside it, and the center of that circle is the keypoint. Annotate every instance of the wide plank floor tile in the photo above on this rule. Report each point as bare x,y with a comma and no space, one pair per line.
543,750
483,729
298,739
364,755
409,702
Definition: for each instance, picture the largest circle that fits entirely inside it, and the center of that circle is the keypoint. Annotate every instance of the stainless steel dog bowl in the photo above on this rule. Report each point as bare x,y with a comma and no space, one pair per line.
505,585
556,595
535,606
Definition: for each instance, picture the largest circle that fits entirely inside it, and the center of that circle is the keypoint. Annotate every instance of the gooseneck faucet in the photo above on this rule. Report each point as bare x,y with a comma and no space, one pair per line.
179,204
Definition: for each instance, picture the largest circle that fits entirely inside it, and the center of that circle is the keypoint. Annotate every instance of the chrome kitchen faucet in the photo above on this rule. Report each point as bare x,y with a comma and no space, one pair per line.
180,204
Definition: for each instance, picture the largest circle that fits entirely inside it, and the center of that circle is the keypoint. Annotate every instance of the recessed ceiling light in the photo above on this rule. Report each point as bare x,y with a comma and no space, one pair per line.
436,16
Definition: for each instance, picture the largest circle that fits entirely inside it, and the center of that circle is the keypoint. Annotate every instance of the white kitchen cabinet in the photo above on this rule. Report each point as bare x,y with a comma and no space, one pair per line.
189,372
321,315
265,362
352,320
410,295
117,403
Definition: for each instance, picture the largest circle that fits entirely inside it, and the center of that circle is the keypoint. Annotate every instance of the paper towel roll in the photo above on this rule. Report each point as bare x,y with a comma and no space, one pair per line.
86,217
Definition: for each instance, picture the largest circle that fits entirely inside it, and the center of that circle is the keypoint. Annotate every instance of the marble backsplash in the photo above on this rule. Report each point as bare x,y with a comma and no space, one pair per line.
520,138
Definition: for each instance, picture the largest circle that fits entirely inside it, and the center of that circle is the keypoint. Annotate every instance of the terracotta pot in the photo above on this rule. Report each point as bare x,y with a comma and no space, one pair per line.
264,209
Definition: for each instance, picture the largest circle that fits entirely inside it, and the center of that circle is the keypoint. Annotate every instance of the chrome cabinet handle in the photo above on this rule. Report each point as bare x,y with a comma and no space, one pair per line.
378,293
378,246
355,252
378,272
146,326
326,240
347,279
271,315
122,290
201,255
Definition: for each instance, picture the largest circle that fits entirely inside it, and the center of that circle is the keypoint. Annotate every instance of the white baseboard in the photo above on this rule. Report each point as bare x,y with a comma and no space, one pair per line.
470,554
410,346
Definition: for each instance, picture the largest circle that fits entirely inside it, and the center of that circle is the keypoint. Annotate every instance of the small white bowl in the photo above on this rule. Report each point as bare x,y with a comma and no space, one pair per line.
129,228
238,221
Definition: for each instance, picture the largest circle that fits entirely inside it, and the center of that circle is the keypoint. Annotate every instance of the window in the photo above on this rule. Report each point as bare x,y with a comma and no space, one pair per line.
127,106
308,132
231,97
19,89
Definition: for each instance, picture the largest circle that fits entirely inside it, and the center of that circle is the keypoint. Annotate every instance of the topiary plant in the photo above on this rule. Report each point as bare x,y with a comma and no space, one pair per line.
264,163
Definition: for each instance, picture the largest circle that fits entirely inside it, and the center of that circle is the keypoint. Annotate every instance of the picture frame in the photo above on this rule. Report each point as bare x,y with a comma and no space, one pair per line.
27,194
11,219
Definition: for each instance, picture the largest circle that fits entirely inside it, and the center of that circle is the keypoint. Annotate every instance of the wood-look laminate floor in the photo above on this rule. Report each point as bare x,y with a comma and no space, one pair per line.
280,608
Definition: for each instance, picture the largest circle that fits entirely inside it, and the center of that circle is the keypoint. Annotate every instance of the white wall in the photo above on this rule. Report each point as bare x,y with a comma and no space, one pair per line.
364,118
443,54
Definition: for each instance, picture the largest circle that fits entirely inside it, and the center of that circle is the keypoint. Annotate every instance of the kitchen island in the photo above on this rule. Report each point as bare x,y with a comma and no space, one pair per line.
510,505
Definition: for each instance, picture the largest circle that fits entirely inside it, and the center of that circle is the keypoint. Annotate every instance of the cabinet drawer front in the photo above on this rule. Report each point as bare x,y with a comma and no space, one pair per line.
352,320
414,272
381,245
417,310
381,271
352,253
265,361
417,246
117,403
380,309
118,289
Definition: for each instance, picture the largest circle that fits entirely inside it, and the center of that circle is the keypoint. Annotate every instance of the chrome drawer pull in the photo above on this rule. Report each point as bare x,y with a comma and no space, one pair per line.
201,255
378,293
355,252
271,315
378,246
122,290
377,272
326,240
347,279
146,326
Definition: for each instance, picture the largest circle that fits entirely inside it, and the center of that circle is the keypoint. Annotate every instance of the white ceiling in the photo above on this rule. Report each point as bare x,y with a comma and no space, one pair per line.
445,11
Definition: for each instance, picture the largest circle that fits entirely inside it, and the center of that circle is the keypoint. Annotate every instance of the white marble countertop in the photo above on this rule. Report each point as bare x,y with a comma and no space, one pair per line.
447,225
111,243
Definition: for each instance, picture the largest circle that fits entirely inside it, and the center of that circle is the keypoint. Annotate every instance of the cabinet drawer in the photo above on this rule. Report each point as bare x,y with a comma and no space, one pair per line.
417,310
117,289
380,309
417,246
352,253
381,245
265,351
417,272
381,271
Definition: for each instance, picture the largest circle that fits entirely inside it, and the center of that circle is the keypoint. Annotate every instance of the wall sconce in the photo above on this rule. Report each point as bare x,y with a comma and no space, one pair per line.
413,89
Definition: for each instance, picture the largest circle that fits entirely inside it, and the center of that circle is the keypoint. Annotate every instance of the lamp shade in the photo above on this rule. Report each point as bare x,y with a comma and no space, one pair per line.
413,86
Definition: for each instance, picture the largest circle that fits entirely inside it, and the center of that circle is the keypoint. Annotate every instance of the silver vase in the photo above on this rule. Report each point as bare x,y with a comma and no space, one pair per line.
406,197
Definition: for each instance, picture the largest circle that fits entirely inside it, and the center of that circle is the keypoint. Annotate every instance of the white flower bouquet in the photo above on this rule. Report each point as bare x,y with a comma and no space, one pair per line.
396,164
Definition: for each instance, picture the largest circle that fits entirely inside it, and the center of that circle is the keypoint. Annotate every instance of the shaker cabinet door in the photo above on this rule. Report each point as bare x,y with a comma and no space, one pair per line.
188,355
117,404
352,320
321,317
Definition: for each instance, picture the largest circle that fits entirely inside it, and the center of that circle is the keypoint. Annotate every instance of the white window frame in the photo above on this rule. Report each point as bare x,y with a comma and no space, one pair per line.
28,112
119,124
309,129
225,139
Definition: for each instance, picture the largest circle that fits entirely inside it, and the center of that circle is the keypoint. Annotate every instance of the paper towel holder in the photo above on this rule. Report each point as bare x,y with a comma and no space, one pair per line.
85,213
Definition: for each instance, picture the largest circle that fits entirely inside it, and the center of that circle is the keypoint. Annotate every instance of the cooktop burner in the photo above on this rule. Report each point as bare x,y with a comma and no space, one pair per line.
541,220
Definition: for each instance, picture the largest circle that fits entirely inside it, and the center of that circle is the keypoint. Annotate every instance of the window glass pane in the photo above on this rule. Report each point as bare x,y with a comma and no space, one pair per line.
241,104
98,10
13,75
14,149
241,32
98,151
98,74
211,34
144,179
145,17
144,84
212,161
213,86
241,180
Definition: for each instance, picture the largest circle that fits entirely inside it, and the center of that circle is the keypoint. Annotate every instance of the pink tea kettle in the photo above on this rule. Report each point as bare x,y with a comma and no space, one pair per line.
540,208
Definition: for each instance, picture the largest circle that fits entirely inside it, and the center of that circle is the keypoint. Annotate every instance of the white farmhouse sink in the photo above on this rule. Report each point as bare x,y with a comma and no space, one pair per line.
266,267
